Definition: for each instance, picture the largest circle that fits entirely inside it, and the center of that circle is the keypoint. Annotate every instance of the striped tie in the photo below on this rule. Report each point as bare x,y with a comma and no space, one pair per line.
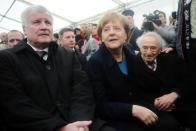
43,54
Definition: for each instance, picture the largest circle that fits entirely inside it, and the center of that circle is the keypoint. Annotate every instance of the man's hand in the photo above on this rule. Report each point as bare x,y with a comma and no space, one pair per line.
144,114
167,50
156,27
166,102
77,126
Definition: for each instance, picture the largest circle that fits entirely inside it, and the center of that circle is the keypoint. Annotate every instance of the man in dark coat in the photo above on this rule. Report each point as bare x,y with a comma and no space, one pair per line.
67,40
43,93
134,31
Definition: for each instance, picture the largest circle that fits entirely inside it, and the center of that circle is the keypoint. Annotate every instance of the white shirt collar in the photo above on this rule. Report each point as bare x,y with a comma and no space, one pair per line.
35,49
155,64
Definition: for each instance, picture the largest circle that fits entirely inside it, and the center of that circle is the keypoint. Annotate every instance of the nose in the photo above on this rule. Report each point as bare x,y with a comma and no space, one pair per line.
15,42
112,30
44,25
148,51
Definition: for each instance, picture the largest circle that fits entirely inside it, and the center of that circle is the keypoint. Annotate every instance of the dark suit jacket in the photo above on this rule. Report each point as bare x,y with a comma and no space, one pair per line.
37,95
112,89
134,34
151,84
81,57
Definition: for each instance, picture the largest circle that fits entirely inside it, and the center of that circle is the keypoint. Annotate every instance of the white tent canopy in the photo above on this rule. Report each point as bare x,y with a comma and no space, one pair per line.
76,12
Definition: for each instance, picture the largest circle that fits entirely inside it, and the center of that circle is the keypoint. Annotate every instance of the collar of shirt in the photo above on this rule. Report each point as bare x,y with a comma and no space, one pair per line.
35,49
154,64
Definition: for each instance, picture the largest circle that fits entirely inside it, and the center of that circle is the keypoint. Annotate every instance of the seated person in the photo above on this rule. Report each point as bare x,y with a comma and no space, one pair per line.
110,71
158,76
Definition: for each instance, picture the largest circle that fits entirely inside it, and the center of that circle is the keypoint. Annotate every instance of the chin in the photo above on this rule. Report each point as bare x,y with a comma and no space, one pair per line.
45,41
115,46
149,60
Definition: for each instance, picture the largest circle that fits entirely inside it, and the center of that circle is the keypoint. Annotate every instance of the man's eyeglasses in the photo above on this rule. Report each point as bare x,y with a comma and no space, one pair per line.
151,48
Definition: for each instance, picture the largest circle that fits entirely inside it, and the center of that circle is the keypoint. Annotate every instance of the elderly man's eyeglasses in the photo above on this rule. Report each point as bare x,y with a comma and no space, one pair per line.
151,48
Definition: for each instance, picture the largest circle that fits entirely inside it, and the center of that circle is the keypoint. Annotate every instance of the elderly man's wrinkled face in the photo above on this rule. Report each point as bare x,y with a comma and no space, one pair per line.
38,28
150,48
113,35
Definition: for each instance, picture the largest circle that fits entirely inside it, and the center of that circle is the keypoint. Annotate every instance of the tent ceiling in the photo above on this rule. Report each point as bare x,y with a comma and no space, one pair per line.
65,12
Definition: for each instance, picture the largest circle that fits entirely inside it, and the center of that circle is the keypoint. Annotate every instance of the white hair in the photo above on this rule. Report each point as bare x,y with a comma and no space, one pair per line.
37,8
160,40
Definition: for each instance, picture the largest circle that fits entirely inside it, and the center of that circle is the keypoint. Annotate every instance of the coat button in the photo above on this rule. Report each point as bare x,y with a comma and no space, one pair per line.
48,67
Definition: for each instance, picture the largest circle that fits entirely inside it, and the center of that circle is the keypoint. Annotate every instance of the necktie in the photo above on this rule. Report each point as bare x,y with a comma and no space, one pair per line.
43,54
151,65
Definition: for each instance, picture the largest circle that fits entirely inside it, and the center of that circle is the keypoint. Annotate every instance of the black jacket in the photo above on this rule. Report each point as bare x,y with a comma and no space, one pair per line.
38,95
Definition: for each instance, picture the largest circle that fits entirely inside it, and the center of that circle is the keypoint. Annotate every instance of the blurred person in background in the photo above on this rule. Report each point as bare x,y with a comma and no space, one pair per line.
67,39
3,41
157,22
90,45
14,37
167,32
134,31
95,35
3,38
55,37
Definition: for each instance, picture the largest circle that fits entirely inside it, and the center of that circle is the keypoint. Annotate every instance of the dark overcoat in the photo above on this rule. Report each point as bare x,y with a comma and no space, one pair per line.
38,95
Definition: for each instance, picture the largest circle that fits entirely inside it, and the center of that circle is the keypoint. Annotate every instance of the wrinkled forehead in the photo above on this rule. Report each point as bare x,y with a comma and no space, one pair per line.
151,41
14,34
38,15
114,22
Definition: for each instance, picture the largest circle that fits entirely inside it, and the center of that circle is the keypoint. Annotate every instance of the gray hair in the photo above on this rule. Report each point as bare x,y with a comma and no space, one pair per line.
37,8
160,40
16,31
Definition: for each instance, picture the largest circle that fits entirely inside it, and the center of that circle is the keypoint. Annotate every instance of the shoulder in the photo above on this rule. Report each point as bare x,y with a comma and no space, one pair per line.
169,58
99,53
64,51
102,57
138,31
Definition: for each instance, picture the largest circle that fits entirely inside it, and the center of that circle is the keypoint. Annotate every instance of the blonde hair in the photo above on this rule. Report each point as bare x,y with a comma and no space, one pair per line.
112,16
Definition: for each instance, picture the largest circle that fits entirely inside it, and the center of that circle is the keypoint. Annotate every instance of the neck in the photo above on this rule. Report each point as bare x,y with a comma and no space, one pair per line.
117,54
39,46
